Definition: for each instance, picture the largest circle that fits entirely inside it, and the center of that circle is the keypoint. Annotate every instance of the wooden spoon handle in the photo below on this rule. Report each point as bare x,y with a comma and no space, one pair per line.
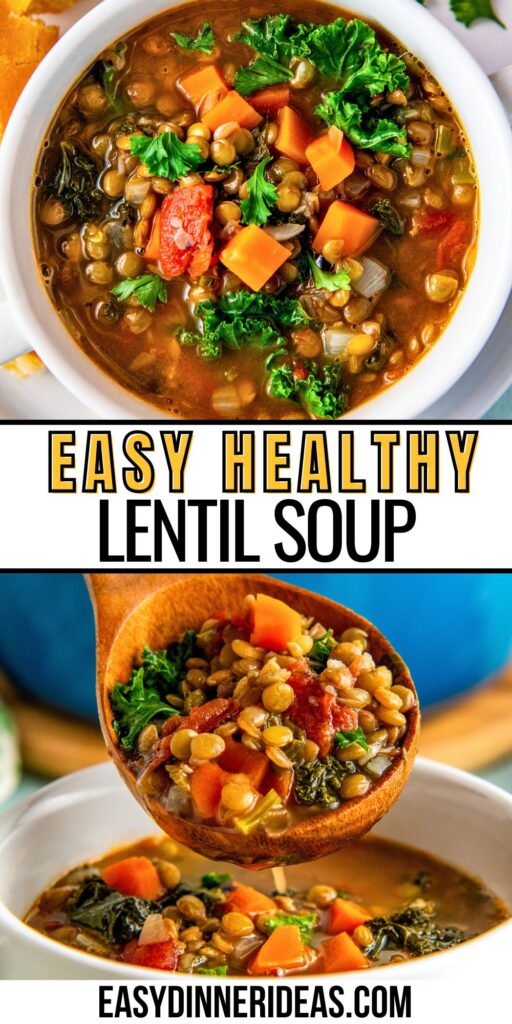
114,596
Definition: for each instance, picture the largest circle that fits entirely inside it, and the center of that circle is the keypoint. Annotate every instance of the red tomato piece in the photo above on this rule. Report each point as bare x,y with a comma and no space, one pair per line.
185,239
317,711
344,719
451,249
161,956
434,222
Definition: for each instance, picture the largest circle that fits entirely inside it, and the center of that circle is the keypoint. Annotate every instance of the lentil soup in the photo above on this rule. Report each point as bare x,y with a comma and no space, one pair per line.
155,905
260,718
259,219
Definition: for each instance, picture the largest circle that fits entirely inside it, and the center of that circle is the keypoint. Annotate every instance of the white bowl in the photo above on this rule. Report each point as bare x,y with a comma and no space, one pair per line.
445,812
30,318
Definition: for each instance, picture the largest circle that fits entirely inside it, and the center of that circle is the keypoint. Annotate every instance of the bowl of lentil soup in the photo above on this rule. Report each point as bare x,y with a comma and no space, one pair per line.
87,822
261,347
255,721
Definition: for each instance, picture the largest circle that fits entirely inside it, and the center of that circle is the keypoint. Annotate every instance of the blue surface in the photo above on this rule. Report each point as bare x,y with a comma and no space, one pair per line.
452,629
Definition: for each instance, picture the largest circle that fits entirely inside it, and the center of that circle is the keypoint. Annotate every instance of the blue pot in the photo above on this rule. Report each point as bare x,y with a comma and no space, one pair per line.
452,629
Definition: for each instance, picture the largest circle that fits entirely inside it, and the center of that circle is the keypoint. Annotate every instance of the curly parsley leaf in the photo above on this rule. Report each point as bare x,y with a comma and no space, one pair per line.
204,40
148,289
166,156
344,739
243,318
259,74
331,282
320,392
262,196
469,11
363,130
306,924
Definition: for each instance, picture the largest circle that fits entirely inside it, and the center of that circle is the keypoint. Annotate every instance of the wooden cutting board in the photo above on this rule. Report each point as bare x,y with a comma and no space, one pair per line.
470,732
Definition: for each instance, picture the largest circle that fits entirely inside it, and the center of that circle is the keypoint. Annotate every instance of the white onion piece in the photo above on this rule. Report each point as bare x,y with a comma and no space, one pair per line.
412,201
226,401
378,765
421,156
336,340
283,232
154,930
245,946
136,190
374,279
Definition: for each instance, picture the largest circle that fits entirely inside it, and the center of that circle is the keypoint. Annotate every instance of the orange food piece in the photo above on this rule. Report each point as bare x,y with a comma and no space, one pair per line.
241,760
253,256
271,99
204,80
284,950
348,224
134,876
232,108
344,916
341,954
152,250
248,900
24,40
206,784
282,782
274,623
331,157
295,135
163,956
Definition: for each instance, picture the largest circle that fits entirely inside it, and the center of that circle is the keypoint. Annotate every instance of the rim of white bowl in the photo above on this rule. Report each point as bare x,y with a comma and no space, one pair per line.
23,931
482,301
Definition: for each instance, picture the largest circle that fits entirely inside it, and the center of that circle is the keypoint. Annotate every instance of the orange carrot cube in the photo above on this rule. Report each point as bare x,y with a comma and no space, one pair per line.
345,222
253,256
232,107
294,136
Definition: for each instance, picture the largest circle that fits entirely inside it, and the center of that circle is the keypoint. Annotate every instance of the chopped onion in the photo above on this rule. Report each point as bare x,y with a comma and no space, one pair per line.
378,765
336,340
153,930
421,156
412,201
374,279
136,190
226,401
283,232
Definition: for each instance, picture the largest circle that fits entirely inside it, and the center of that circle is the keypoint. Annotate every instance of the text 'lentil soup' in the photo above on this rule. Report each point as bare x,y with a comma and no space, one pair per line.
260,718
154,905
256,219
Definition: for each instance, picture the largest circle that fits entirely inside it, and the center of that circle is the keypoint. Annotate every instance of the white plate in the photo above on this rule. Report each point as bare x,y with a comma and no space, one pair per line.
42,397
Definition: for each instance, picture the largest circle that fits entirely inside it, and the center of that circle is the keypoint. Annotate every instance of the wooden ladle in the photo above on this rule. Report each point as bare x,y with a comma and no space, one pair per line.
133,610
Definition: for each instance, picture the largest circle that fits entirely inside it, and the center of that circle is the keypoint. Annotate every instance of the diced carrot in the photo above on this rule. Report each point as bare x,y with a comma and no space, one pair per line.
134,876
274,623
344,916
204,80
152,250
346,223
254,256
341,954
284,950
282,781
271,99
242,761
206,784
452,247
249,901
331,157
294,136
232,107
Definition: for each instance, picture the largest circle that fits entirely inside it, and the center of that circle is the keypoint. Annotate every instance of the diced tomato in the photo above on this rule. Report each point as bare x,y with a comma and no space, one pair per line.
451,249
162,956
204,718
316,710
344,719
185,239
240,760
434,222
299,371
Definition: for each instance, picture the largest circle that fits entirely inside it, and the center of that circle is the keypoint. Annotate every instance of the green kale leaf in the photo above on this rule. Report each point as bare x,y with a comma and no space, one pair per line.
259,74
148,289
134,705
75,182
345,738
166,156
256,209
167,669
388,215
212,880
468,11
331,282
241,318
321,650
306,923
364,130
319,782
118,918
204,39
320,392
412,930
216,971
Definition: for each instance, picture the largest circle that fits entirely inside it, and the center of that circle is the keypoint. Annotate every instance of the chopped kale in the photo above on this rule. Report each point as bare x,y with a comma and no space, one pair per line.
212,880
207,896
412,930
388,215
243,318
320,392
319,782
363,128
345,738
75,182
468,11
216,971
119,918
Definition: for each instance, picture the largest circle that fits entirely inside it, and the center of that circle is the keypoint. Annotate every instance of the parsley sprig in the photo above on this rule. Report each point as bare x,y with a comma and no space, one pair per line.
148,289
204,40
166,156
262,196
